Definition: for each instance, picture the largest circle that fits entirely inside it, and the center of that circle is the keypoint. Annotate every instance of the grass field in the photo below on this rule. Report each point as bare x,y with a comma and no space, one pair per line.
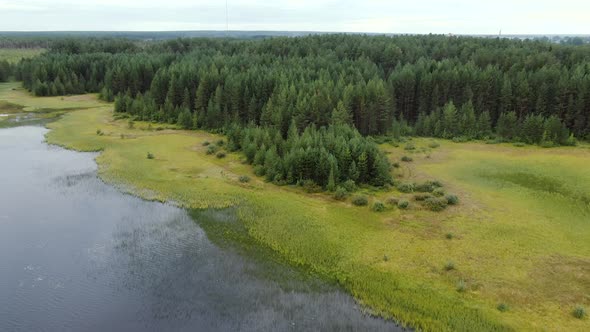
17,107
14,55
520,236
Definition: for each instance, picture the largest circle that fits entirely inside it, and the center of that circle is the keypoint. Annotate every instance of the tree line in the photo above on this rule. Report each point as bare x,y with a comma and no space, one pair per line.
451,87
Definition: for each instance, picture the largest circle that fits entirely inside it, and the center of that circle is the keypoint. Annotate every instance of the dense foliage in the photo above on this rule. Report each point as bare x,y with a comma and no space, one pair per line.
327,156
460,88
5,70
365,81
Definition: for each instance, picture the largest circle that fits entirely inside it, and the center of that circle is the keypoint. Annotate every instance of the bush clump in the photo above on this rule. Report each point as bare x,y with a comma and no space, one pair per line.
421,197
349,185
410,146
244,179
452,199
449,266
311,187
406,187
99,132
206,143
403,204
407,159
378,206
220,143
438,192
220,154
211,149
579,312
150,155
449,236
360,200
433,145
461,286
503,307
340,193
436,204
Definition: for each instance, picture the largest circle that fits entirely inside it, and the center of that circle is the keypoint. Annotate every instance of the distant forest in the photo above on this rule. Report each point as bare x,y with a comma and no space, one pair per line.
437,86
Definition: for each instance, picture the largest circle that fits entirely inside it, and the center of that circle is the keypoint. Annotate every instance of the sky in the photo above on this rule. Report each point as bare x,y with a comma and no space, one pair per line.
385,16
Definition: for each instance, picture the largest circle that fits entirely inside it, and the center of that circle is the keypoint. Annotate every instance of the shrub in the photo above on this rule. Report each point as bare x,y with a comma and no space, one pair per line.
460,139
452,199
427,186
150,156
436,204
519,144
244,179
407,159
378,206
211,149
395,165
403,204
99,132
360,200
220,143
438,192
340,193
311,187
449,236
433,145
206,143
410,146
220,154
259,170
449,266
421,197
349,185
406,187
392,201
435,184
461,286
579,312
503,307
571,141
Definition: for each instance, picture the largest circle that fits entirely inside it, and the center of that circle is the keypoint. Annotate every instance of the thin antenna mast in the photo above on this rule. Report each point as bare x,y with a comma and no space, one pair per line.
226,20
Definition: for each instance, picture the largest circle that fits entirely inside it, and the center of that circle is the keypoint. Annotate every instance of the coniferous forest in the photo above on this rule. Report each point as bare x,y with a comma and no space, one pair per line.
303,108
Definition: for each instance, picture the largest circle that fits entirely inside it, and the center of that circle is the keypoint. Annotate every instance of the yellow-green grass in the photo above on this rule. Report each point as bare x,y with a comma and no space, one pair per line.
14,55
509,244
16,102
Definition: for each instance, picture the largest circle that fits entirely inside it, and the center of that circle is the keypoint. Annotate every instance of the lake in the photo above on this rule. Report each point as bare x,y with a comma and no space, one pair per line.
77,254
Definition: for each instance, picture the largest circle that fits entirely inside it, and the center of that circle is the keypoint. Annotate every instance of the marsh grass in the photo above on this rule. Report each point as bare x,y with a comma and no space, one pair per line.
335,241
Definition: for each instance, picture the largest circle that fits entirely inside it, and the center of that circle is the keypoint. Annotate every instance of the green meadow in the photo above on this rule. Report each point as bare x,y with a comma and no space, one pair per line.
514,254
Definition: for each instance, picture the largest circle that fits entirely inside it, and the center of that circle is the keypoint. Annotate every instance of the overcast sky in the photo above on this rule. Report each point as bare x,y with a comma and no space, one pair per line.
392,16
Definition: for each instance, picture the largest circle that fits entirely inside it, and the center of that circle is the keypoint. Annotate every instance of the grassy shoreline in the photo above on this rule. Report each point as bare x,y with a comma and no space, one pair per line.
510,243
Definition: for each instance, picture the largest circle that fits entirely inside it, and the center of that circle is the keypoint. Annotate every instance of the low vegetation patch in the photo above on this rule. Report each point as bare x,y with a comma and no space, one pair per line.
406,187
378,206
360,200
503,307
407,159
403,204
579,312
435,204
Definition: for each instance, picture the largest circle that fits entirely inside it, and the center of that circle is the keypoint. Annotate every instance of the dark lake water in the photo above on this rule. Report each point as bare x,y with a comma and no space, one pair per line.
78,255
